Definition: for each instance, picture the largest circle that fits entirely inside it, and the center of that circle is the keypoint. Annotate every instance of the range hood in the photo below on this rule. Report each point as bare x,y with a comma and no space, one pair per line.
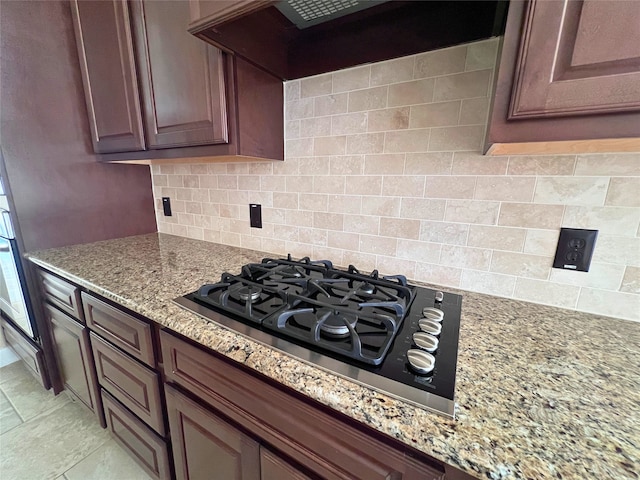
307,13
298,38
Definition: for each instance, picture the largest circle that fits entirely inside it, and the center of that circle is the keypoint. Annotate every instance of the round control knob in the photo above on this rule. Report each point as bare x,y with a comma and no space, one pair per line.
434,314
425,342
439,297
421,362
429,326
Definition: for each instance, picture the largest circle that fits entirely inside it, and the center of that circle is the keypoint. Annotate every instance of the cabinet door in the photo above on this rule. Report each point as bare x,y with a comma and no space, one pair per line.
205,446
274,467
105,50
578,57
73,354
182,78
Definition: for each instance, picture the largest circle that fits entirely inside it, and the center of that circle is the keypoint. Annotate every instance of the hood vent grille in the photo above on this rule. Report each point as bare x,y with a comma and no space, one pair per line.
307,13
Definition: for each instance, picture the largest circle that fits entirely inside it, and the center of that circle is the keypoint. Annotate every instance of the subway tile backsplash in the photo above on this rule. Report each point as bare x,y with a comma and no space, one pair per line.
383,170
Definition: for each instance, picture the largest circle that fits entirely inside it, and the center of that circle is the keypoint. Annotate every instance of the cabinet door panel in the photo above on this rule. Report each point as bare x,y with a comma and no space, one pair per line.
74,357
578,57
274,467
182,78
205,446
105,50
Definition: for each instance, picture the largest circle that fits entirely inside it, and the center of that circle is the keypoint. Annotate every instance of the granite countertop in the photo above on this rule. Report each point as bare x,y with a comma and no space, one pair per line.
541,392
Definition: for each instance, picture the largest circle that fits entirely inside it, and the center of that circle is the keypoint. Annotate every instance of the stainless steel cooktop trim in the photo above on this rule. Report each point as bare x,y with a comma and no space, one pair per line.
367,379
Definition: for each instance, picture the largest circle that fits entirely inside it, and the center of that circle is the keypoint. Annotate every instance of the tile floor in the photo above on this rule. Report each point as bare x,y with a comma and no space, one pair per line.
43,436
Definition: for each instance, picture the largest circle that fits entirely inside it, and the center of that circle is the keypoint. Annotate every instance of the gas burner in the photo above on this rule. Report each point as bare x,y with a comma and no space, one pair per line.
333,323
249,294
366,288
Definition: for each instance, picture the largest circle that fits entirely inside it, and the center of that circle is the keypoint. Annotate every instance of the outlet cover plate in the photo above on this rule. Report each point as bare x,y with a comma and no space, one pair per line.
575,249
255,215
166,206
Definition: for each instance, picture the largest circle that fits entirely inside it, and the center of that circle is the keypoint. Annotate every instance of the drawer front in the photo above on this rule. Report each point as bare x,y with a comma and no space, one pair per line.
61,294
30,355
146,448
295,427
136,386
127,332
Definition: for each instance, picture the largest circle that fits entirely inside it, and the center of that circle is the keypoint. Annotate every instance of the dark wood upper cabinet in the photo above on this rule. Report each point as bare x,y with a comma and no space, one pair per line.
569,74
155,92
578,58
182,78
105,50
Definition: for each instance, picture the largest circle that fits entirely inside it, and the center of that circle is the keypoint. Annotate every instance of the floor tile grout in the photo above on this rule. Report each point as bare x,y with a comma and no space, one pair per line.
95,463
86,456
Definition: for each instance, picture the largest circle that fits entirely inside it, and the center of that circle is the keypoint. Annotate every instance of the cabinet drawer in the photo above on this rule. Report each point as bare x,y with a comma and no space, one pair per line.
61,294
30,355
136,386
127,332
149,450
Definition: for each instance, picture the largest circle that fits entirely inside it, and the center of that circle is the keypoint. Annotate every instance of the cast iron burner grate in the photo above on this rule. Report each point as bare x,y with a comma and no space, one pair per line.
242,297
364,333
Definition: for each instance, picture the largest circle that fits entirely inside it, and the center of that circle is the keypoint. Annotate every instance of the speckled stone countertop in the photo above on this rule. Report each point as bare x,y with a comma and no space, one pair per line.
541,392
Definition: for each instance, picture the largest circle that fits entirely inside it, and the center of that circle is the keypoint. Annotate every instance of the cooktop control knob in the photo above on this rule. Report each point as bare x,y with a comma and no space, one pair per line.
421,361
425,342
429,326
434,314
439,297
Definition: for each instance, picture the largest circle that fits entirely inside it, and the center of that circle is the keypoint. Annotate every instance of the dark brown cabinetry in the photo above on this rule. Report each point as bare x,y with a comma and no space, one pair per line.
274,467
134,385
206,446
320,442
134,436
69,337
62,294
73,355
125,362
105,49
161,93
126,332
182,80
32,356
569,73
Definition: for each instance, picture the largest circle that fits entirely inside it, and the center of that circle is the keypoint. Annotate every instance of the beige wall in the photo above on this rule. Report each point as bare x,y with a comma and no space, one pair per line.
383,170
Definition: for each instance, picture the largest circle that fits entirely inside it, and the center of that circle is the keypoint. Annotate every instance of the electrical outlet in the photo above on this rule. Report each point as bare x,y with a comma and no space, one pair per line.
166,206
575,248
255,214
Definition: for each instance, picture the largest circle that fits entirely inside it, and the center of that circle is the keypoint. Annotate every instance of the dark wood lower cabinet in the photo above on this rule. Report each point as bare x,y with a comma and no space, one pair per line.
32,357
144,445
274,467
205,446
133,384
74,358
322,442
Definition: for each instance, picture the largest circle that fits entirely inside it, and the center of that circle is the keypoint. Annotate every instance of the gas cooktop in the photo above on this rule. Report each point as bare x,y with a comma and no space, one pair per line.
379,331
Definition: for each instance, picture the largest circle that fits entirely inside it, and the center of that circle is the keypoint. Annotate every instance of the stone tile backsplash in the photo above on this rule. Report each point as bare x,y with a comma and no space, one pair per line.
383,170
